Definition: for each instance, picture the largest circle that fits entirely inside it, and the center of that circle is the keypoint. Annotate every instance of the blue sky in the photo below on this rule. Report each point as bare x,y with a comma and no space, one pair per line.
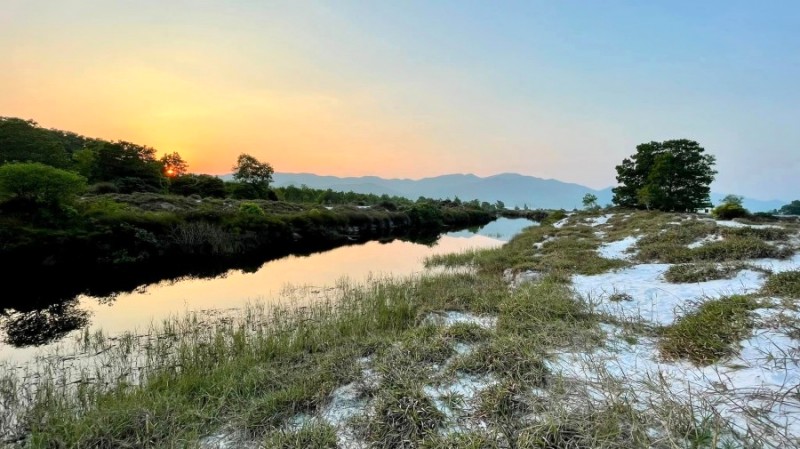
559,90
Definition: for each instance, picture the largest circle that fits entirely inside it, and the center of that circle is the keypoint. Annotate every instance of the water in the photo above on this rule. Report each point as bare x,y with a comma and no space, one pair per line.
26,334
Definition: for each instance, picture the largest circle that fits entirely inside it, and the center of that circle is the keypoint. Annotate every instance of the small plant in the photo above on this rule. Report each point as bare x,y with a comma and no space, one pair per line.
619,297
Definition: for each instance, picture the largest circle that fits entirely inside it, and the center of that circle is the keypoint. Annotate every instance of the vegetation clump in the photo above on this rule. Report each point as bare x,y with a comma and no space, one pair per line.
404,418
785,285
711,332
701,272
730,208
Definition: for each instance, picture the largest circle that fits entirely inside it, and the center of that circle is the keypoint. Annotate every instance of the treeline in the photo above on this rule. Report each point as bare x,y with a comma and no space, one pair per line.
68,200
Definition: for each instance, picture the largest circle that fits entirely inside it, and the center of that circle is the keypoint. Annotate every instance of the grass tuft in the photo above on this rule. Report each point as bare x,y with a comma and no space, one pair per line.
312,436
711,332
701,272
785,285
404,418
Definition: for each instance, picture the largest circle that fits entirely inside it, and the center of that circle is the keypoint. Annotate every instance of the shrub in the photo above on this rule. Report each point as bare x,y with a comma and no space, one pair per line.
39,183
728,211
251,209
101,188
203,185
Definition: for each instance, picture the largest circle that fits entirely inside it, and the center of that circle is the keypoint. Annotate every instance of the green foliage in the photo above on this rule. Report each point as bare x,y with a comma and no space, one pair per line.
673,175
251,209
24,141
173,165
39,183
590,201
132,167
203,185
731,207
792,208
253,173
711,332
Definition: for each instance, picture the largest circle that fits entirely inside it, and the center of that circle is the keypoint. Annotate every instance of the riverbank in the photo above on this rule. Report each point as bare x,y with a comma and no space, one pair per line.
151,236
570,335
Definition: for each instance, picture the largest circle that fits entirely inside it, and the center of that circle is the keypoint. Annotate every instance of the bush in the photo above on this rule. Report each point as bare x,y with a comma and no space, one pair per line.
131,185
203,185
729,211
101,188
39,183
251,209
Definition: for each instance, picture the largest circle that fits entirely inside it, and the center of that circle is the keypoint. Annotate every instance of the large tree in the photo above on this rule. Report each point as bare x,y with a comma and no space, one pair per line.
253,174
674,175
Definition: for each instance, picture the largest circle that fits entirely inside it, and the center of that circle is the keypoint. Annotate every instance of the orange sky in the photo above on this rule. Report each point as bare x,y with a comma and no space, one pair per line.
415,88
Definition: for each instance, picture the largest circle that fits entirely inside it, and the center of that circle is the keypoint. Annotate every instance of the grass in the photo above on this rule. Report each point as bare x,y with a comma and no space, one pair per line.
404,417
786,285
257,373
701,272
313,436
711,332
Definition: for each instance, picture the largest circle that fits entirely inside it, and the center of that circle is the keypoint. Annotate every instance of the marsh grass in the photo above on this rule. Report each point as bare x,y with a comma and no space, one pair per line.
404,418
701,272
257,371
711,332
786,285
311,436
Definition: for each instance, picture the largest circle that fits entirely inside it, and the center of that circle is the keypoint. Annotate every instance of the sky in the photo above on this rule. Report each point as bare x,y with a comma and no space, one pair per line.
411,89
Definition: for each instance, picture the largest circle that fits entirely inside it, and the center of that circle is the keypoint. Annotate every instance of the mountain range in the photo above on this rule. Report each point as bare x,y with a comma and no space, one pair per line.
513,189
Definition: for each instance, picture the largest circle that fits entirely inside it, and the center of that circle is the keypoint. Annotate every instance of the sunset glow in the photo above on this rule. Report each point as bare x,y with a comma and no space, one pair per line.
413,89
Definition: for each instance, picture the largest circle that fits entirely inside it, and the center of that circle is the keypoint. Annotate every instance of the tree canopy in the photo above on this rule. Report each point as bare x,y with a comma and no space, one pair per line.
674,175
792,208
255,175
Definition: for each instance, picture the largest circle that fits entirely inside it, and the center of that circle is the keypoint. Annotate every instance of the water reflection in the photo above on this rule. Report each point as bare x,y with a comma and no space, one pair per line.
38,327
122,303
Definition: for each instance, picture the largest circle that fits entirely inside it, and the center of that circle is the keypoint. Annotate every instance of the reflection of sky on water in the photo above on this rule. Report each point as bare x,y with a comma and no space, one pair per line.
155,302
501,229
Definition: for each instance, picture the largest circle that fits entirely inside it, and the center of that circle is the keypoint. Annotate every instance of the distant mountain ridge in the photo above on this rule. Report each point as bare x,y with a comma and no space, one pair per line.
513,189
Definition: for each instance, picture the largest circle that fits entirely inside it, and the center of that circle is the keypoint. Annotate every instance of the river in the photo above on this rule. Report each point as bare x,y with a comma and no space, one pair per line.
26,334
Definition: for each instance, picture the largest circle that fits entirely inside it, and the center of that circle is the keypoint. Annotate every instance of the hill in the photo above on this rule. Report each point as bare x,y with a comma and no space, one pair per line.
511,188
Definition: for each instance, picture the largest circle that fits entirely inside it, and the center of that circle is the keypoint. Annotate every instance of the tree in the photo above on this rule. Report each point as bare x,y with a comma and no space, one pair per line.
673,175
590,201
174,165
256,175
132,167
24,141
39,183
792,208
